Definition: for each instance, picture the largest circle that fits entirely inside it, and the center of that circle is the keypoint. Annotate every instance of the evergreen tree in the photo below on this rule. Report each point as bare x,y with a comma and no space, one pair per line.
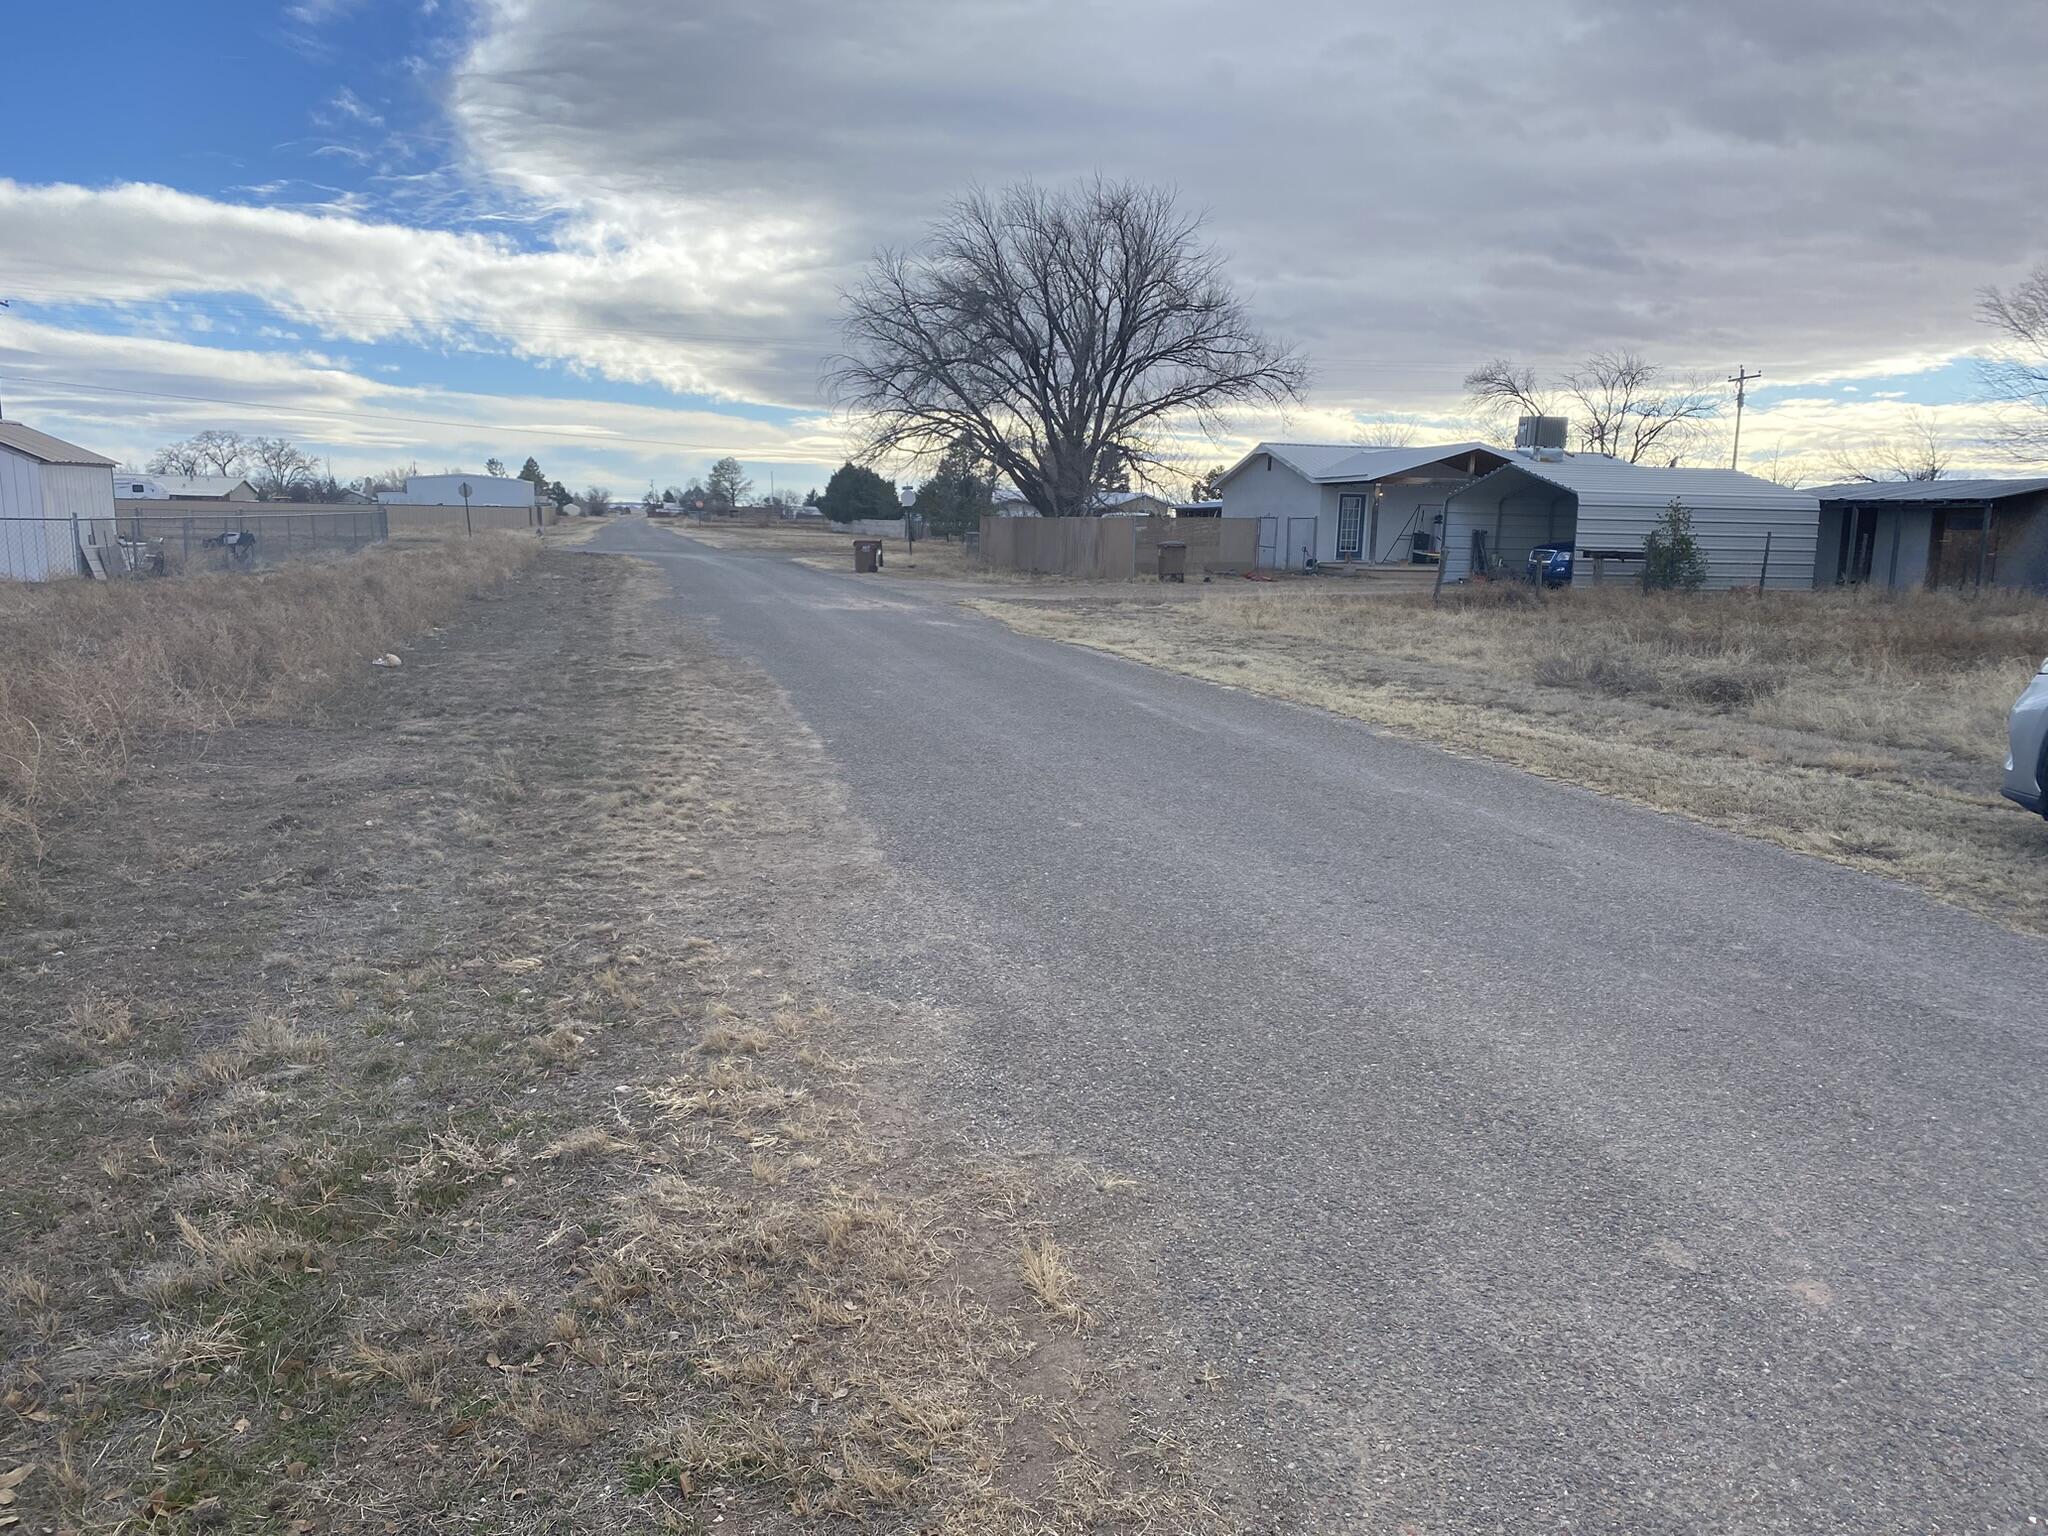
1672,561
855,493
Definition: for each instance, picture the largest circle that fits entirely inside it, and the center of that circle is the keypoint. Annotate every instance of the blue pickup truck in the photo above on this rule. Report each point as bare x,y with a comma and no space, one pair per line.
1551,564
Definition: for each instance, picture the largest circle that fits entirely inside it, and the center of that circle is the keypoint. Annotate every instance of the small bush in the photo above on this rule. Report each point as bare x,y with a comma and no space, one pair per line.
1672,561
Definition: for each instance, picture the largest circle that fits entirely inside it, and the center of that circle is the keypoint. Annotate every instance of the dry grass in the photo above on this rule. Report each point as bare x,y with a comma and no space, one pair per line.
516,1208
1864,728
99,669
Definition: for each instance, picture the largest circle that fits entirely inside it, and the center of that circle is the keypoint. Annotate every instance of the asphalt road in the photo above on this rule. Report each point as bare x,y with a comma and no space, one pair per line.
1542,1162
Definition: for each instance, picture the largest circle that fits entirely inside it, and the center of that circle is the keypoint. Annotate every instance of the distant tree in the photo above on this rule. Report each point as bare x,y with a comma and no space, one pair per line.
530,470
2016,372
954,498
1620,404
216,451
1113,469
1916,453
1672,561
811,498
727,485
1209,487
1386,434
597,501
495,468
856,492
282,469
1049,328
559,493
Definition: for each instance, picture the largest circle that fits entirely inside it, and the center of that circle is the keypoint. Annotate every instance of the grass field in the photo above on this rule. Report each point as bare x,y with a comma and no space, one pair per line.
1857,727
416,1121
97,668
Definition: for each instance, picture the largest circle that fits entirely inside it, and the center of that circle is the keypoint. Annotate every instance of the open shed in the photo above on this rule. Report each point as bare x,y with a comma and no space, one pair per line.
1605,509
1934,533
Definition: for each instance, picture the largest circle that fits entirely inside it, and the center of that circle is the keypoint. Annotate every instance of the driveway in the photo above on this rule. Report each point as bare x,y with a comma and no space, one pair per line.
1536,1161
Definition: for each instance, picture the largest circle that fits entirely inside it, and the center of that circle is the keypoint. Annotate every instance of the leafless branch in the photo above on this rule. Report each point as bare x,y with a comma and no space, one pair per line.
1058,333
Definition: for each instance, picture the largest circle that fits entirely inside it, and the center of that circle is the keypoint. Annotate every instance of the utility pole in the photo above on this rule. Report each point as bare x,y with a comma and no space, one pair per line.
1740,379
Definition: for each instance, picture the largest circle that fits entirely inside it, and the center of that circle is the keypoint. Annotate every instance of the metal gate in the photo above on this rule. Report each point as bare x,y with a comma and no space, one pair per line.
1301,543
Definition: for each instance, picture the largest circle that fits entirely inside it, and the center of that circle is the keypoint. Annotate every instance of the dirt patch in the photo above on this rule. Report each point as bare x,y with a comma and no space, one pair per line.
419,1119
1859,728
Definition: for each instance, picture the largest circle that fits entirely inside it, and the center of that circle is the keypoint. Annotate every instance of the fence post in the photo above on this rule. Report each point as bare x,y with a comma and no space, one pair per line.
77,549
1764,578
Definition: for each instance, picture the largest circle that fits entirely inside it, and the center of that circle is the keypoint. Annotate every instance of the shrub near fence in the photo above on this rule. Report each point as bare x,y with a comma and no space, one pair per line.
1114,548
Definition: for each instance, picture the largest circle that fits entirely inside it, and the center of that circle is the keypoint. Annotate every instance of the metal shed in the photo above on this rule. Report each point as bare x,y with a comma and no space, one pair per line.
1605,508
1936,533
56,507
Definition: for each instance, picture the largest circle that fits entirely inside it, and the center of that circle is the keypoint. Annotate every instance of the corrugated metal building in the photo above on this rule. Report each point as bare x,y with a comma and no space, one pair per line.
56,507
1605,508
1934,533
446,491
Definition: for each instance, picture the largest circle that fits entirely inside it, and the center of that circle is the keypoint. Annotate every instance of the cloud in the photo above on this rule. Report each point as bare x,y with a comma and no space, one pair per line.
693,318
674,195
125,396
1404,190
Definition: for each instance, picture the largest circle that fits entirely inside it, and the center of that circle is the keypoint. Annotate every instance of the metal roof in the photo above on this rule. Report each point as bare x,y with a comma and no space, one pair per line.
1931,490
1599,481
201,487
48,449
1328,463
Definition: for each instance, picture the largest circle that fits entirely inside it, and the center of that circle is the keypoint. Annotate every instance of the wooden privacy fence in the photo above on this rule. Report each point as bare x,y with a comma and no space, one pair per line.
1115,548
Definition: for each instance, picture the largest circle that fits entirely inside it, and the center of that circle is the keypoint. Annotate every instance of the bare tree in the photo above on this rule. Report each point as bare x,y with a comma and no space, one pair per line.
1500,390
2017,372
1048,330
216,451
1620,404
597,501
1628,408
727,485
1915,453
281,468
1386,434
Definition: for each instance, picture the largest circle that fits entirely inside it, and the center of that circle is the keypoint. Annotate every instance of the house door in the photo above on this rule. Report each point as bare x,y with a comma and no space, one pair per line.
1301,542
1269,542
1350,527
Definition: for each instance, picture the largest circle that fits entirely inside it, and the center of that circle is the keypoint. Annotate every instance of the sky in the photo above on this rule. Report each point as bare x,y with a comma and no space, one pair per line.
613,234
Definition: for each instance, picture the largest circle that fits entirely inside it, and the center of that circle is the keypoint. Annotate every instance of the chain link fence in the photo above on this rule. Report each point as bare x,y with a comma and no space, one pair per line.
144,543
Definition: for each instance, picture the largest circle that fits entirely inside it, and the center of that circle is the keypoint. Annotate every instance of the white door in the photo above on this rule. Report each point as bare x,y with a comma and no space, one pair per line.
1350,527
1269,542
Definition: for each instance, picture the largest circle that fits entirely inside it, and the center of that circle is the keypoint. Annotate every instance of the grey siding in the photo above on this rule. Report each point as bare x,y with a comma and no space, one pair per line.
1516,517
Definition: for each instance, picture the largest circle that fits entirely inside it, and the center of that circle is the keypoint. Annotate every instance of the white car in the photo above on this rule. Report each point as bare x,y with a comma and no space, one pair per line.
2026,765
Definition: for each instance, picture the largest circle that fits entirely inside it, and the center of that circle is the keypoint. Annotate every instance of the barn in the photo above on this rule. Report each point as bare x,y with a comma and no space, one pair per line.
56,507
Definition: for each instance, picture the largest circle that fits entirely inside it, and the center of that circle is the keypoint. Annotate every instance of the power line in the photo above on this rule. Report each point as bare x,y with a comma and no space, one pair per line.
276,410
255,307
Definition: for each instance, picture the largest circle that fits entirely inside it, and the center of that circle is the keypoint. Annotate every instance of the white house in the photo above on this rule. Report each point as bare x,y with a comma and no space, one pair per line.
139,485
446,491
1605,508
56,507
1323,503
